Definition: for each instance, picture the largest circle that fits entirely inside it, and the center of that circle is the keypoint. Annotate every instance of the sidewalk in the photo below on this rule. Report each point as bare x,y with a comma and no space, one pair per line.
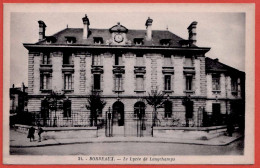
20,140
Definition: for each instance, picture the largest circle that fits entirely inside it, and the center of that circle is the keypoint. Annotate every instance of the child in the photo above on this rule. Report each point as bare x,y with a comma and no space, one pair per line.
40,131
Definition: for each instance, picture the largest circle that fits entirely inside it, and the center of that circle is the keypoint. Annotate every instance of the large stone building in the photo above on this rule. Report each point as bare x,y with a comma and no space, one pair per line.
124,66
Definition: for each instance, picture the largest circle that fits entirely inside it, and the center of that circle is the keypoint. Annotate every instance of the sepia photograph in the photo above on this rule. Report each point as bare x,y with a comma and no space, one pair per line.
120,84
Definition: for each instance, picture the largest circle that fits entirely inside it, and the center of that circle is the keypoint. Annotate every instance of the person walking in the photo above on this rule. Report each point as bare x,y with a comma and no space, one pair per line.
31,133
40,131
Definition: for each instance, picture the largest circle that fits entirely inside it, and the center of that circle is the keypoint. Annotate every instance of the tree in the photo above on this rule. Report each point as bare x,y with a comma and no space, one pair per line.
94,104
53,100
156,100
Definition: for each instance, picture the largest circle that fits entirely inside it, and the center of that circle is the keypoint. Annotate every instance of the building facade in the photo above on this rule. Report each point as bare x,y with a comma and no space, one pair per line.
124,66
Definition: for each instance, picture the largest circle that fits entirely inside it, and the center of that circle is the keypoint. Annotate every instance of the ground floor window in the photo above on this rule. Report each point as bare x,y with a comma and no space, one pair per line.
139,109
167,109
67,108
189,109
44,109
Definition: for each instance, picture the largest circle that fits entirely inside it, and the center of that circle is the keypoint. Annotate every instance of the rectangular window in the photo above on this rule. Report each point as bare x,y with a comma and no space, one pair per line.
97,82
188,82
139,60
167,82
168,109
68,82
44,109
189,109
139,82
167,61
215,82
188,62
118,59
67,58
118,83
45,81
96,60
234,85
46,58
67,108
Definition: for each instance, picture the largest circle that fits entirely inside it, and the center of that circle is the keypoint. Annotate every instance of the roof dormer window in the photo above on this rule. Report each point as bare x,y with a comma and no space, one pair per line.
165,42
50,39
70,39
98,40
138,41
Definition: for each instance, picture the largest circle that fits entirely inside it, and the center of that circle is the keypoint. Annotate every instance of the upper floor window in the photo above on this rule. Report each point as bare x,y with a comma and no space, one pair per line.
189,83
139,60
167,109
118,59
46,58
98,40
234,84
118,82
215,82
68,82
67,58
167,82
96,60
188,62
139,82
97,82
67,108
45,81
167,61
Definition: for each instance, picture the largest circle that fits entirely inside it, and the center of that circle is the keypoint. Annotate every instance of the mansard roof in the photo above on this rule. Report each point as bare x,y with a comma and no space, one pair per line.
157,36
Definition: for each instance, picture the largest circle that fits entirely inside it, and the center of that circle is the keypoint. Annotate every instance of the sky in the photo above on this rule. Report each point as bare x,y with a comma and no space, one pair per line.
223,32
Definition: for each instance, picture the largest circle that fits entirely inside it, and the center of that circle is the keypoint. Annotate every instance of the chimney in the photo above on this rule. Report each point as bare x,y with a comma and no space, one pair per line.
86,24
42,28
216,59
148,25
192,32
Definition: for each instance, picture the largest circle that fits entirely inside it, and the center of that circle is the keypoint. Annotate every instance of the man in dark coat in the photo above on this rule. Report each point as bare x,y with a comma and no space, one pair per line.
31,133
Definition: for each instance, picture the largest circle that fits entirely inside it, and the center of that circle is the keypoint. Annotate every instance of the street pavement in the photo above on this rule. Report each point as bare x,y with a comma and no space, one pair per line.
132,148
20,140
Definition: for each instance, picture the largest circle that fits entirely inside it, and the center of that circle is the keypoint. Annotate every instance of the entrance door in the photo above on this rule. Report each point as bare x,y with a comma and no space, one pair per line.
118,114
216,113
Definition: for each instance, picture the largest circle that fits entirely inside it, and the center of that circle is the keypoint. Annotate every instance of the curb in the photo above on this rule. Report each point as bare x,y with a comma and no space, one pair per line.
117,141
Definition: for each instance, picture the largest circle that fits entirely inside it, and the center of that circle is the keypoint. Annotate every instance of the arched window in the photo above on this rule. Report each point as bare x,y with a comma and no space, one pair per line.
139,109
167,109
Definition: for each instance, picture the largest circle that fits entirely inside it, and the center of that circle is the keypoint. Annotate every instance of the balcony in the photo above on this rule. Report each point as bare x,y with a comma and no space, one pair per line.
97,69
68,68
168,70
139,69
118,69
189,70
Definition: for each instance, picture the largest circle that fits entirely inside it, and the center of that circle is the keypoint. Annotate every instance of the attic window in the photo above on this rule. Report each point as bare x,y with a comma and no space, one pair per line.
185,43
70,39
98,40
139,41
165,42
50,39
